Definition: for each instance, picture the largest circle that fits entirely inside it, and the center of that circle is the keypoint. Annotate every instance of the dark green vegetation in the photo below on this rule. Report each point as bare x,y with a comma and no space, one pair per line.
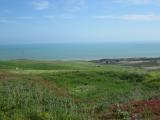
71,90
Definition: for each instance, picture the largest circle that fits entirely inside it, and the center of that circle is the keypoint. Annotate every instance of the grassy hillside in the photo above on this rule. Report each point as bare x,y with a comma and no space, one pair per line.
72,90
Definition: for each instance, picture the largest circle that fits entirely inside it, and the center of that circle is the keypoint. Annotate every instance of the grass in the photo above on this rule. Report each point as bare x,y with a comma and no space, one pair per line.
70,90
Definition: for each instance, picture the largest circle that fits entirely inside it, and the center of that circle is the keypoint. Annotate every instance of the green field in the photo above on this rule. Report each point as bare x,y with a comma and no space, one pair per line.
72,90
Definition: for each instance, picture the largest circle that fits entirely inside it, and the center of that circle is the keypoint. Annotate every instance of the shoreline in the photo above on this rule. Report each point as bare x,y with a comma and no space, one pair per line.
92,60
130,61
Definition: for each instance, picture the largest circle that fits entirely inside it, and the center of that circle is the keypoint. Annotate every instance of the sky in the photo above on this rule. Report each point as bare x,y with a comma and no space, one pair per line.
74,21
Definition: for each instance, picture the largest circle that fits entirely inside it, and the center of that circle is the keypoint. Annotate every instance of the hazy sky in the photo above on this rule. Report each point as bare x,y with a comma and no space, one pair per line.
49,21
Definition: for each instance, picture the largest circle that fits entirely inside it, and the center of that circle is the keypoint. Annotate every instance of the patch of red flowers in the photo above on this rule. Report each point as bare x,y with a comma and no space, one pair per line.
143,108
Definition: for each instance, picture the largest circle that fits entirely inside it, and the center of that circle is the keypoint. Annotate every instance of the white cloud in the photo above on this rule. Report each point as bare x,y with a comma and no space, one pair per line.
149,17
140,1
133,1
63,16
66,5
132,17
105,17
75,5
40,5
5,21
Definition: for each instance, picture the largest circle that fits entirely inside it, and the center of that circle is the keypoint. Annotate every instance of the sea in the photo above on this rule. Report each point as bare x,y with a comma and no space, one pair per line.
78,51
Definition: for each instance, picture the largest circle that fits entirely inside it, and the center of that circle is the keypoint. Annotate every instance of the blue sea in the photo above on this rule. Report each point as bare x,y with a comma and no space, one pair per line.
81,51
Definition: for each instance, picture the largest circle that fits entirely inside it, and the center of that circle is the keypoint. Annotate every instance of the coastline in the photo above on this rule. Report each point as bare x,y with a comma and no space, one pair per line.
120,60
93,60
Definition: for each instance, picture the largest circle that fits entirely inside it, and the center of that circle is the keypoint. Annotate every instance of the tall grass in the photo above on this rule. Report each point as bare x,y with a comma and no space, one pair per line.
32,101
76,91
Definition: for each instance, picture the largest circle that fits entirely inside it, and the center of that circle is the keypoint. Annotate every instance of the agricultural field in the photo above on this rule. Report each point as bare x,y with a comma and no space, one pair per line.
78,90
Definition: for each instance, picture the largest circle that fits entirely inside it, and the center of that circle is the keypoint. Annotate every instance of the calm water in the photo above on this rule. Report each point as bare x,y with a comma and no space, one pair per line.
79,51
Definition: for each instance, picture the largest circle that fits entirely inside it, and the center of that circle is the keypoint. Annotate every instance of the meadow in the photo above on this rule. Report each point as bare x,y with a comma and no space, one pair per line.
77,90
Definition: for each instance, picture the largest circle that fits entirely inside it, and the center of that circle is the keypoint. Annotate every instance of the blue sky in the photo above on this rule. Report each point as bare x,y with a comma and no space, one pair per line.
58,21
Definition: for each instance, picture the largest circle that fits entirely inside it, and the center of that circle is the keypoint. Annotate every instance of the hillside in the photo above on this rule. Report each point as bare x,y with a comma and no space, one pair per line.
78,90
